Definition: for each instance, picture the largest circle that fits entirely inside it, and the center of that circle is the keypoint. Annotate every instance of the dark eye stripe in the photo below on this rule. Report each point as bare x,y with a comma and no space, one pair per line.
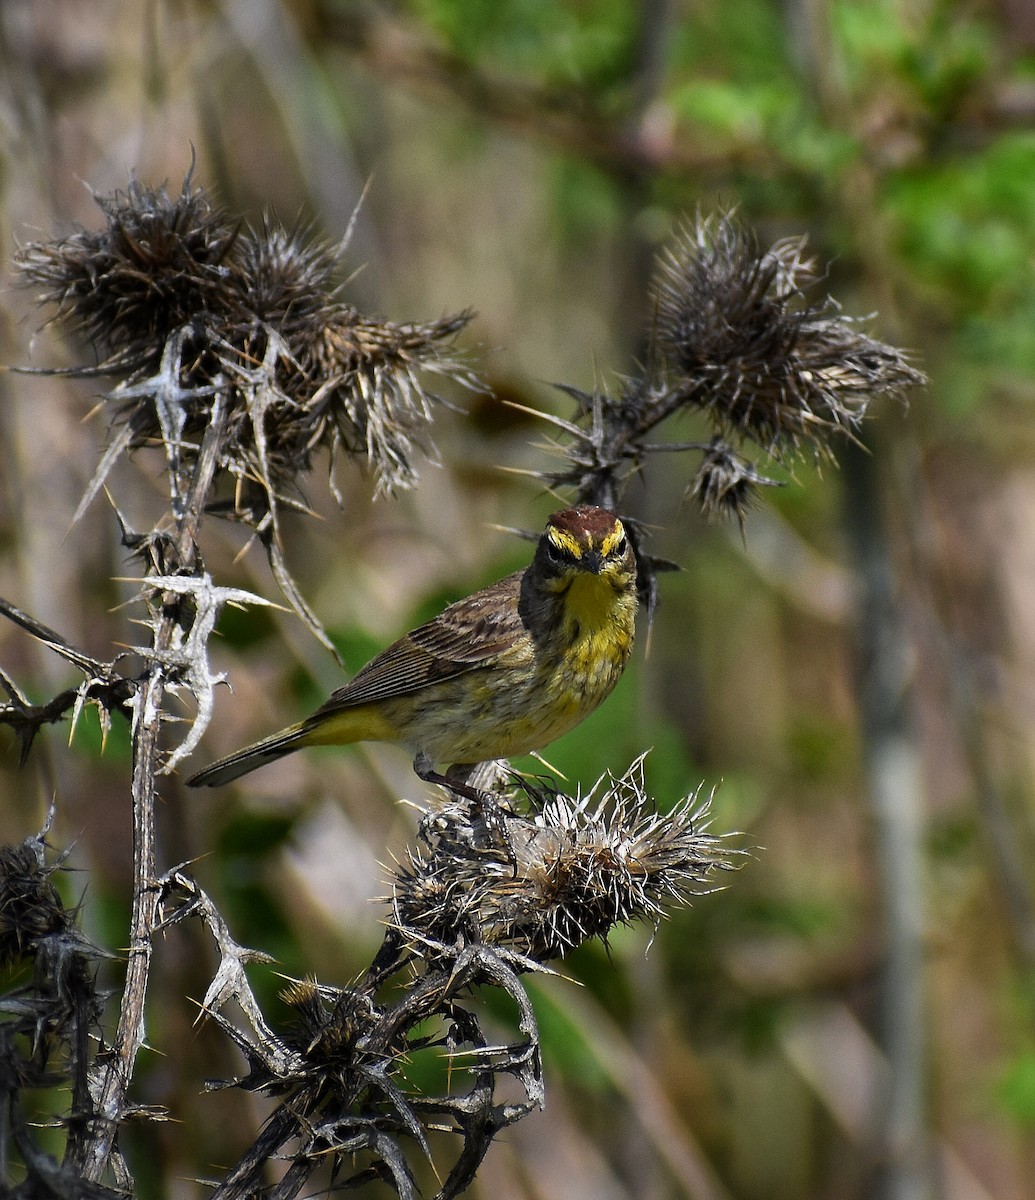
558,553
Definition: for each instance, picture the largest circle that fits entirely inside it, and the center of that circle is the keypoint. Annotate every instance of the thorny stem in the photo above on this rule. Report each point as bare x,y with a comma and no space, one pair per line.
239,1182
114,1071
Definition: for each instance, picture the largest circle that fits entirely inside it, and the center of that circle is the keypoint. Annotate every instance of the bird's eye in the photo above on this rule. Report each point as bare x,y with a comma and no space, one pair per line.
555,553
621,546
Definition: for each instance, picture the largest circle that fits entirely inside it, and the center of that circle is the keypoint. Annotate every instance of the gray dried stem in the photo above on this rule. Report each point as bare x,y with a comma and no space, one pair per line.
113,1073
234,351
501,888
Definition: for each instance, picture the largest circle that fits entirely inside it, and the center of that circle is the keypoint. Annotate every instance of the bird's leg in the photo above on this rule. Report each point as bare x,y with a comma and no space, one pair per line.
424,769
485,804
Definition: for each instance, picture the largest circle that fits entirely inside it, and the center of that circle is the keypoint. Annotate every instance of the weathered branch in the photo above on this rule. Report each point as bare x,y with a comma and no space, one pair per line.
114,1072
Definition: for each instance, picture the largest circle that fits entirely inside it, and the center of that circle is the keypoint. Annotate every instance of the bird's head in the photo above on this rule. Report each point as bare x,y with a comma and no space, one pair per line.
586,540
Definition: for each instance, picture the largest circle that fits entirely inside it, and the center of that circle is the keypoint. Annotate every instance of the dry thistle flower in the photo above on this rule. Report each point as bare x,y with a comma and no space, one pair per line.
49,1018
157,266
726,484
734,331
329,1023
346,1100
735,340
571,870
30,906
495,894
236,343
188,308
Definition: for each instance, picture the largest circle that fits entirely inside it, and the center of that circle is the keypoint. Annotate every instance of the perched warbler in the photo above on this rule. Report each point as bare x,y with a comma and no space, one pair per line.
500,673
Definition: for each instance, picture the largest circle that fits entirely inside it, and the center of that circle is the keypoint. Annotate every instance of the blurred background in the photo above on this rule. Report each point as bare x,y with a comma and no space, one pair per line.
854,1016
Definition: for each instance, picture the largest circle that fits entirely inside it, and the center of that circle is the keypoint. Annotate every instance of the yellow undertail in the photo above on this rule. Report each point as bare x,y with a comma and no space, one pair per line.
342,728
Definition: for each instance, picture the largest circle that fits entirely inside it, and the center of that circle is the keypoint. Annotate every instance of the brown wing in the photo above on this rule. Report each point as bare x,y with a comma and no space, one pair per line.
467,635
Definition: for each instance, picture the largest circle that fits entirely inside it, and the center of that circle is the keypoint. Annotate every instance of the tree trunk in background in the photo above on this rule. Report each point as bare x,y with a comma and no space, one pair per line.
892,765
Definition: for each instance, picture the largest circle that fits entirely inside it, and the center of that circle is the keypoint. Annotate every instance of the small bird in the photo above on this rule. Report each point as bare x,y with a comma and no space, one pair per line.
500,673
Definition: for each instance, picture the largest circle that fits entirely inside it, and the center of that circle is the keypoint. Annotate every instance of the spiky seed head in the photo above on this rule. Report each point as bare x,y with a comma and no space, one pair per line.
570,870
328,1022
740,341
30,906
181,302
210,326
726,484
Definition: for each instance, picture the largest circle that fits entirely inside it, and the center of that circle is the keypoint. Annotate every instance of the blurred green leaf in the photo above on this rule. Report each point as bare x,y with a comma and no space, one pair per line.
966,231
89,737
564,1042
586,201
586,43
744,111
746,37
935,54
1016,1090
247,626
251,835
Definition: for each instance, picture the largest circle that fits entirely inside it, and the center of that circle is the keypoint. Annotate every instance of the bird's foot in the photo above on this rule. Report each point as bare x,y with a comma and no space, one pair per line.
485,805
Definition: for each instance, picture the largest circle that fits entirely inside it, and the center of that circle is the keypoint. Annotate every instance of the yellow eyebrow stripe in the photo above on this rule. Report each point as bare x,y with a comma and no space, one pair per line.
564,541
572,546
612,539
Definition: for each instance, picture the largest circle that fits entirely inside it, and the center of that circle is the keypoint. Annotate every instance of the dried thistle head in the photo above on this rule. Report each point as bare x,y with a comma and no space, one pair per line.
290,276
739,340
157,266
30,906
735,340
373,392
51,1018
726,484
569,870
441,904
190,309
598,861
233,346
329,1023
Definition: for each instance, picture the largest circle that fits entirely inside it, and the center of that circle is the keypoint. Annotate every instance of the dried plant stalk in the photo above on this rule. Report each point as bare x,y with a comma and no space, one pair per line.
234,350
501,888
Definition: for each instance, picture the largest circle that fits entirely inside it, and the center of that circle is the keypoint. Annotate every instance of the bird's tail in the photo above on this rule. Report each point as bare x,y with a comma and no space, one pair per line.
257,755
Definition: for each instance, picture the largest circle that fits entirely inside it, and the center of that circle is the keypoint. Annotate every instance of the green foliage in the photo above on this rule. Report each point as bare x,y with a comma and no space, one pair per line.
587,42
1016,1090
744,40
933,56
822,749
92,739
244,627
966,225
733,84
566,1047
586,200
742,111
247,849
965,229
